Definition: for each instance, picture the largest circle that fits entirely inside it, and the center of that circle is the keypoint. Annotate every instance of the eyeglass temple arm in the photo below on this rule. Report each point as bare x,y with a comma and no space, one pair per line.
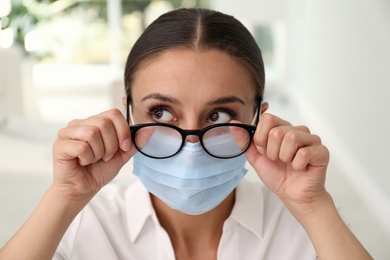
127,108
129,116
259,100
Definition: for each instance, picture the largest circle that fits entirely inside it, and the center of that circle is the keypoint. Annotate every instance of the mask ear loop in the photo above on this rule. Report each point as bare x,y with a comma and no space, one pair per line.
129,111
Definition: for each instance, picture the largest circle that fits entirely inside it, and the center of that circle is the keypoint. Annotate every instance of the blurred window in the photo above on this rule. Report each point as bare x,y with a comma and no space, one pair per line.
83,31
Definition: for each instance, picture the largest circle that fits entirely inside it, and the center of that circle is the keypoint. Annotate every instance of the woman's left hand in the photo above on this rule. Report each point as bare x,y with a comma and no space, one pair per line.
290,161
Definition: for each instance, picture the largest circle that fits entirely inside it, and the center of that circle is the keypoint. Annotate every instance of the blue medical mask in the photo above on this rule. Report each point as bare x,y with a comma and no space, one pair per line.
192,181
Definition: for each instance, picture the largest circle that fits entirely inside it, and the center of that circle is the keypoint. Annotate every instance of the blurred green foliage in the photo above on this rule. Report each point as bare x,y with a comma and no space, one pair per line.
26,14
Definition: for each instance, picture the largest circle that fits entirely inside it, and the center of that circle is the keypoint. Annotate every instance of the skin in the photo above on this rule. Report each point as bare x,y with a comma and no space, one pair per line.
189,88
188,85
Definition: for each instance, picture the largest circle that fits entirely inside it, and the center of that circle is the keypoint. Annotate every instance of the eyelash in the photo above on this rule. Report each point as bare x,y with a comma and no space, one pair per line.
152,109
225,110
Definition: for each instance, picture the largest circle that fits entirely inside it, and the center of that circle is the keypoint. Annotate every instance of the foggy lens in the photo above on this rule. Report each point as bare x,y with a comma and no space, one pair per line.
226,141
158,141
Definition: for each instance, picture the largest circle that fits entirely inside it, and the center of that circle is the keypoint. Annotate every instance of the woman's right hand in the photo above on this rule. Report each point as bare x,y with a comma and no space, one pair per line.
89,153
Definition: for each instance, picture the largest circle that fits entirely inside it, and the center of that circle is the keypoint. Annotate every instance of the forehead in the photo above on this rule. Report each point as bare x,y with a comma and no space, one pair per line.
191,73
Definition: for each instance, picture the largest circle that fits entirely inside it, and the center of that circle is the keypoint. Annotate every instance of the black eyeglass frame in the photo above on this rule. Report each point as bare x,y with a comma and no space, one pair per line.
199,133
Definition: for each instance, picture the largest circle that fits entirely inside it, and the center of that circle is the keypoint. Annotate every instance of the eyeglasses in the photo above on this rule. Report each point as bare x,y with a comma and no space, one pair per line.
160,141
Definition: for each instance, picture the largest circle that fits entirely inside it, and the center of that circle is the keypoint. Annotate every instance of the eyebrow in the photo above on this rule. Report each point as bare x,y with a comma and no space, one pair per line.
161,97
226,100
218,101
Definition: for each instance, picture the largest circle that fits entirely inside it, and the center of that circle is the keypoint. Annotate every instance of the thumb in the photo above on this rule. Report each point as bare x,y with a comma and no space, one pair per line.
254,153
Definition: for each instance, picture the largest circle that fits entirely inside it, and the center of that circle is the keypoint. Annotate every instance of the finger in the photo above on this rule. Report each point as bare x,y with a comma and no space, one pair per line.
252,154
121,128
311,156
67,150
142,137
88,134
293,141
240,135
274,142
267,122
114,131
276,137
108,135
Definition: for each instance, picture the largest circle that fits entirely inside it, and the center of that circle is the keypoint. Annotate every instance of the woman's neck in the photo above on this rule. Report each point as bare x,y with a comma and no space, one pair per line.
192,235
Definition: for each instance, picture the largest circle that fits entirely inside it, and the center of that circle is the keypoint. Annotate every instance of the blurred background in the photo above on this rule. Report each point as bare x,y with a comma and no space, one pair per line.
327,66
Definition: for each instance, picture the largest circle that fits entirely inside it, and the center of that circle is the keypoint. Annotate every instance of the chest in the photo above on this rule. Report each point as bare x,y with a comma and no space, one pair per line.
153,243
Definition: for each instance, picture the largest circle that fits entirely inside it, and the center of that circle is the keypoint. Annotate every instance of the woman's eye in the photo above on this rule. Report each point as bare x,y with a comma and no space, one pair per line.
220,117
161,115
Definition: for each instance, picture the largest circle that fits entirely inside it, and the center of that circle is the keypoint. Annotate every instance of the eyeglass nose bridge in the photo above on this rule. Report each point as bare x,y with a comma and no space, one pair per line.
187,133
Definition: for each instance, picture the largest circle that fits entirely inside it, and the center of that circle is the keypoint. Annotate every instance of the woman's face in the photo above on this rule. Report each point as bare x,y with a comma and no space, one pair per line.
192,89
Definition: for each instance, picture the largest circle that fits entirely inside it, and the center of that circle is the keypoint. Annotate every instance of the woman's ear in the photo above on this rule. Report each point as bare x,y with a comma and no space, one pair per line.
124,101
264,107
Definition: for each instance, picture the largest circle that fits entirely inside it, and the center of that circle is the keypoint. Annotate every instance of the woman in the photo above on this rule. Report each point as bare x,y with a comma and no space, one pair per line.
194,85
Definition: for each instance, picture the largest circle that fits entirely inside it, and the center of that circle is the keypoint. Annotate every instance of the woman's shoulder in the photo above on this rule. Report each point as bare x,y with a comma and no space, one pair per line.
106,219
118,197
264,214
254,191
109,194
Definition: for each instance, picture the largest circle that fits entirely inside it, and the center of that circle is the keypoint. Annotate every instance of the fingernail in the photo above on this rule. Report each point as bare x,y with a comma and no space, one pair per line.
260,149
126,145
108,157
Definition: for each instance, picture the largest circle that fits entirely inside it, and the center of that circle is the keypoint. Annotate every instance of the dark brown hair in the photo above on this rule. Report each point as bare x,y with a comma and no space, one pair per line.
198,29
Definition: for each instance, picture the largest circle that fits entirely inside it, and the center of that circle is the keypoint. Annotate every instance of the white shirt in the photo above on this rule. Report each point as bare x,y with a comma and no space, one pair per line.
122,224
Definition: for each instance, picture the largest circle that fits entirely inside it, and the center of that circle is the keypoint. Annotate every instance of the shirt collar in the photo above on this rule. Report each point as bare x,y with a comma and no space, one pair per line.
248,209
139,209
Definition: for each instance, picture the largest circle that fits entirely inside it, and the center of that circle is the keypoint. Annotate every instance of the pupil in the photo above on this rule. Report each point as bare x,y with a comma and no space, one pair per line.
214,117
158,114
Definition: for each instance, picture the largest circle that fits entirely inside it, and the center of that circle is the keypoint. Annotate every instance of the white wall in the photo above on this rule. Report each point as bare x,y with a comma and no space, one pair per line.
11,97
337,80
343,81
258,11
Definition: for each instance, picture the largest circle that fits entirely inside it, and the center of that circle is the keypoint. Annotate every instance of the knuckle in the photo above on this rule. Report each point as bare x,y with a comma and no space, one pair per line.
304,154
92,134
83,148
275,133
61,133
284,157
115,112
268,118
326,151
317,139
73,122
105,123
304,128
293,137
